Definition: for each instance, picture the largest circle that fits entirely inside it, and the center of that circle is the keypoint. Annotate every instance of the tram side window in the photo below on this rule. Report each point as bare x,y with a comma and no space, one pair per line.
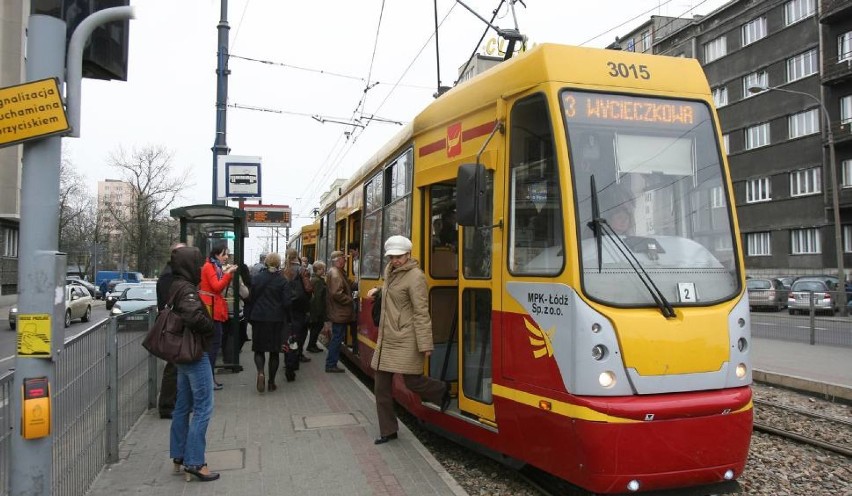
444,232
387,211
477,242
536,244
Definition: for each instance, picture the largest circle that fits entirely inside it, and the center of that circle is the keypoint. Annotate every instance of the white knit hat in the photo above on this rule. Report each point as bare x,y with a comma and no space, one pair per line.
397,245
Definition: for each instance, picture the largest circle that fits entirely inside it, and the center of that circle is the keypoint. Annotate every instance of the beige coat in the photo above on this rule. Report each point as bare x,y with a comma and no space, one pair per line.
405,327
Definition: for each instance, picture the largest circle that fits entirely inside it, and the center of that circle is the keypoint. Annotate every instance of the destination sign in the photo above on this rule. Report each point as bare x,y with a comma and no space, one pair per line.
267,215
601,107
31,110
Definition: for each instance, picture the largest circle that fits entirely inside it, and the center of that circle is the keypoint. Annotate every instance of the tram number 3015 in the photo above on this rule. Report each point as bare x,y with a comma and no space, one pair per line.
628,71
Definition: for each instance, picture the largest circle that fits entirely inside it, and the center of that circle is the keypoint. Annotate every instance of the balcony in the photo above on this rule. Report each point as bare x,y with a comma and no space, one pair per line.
842,132
835,10
837,70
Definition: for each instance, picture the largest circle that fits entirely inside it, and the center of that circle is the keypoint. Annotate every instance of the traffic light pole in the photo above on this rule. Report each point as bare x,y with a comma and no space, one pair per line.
41,267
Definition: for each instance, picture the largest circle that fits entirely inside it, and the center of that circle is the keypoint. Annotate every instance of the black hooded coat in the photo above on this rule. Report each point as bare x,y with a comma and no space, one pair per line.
186,274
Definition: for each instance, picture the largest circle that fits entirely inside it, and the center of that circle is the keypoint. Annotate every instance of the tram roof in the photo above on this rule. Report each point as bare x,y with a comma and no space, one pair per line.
580,66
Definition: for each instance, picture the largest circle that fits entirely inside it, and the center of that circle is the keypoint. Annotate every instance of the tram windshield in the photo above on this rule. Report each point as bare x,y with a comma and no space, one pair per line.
650,170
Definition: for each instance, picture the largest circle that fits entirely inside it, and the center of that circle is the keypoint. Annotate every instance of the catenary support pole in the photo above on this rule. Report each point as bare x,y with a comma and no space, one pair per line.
220,145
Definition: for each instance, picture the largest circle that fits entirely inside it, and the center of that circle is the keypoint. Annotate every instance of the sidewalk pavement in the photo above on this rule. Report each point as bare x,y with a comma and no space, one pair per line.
313,436
826,370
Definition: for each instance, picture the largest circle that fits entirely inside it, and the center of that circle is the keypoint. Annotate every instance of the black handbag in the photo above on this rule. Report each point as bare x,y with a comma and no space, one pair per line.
169,340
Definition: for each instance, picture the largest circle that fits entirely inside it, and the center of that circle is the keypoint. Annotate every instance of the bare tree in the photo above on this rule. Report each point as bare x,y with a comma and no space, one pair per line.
77,217
142,219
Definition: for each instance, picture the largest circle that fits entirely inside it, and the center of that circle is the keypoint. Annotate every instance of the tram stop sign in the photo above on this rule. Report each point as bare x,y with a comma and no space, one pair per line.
31,110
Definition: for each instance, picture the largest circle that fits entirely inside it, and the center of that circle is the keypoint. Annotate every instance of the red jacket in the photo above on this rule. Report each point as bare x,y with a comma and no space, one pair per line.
211,289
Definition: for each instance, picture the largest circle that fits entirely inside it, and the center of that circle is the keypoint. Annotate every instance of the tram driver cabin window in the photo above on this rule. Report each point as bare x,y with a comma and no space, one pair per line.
536,243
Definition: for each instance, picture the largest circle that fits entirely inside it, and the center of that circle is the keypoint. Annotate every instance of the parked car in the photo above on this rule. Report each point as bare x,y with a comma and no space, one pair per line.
800,296
135,298
787,281
78,305
119,288
830,281
766,293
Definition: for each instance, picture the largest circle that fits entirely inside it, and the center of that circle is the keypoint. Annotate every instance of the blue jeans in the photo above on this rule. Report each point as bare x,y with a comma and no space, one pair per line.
188,437
337,331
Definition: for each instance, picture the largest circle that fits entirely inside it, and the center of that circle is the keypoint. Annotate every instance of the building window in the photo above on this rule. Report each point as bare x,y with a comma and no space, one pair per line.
757,136
806,182
847,239
10,243
797,10
802,65
717,195
754,80
757,190
631,45
715,49
646,41
804,241
726,141
803,123
846,109
759,244
846,172
754,31
720,96
844,46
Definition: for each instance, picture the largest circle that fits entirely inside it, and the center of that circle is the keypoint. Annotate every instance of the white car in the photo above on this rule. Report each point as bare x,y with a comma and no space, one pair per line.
78,305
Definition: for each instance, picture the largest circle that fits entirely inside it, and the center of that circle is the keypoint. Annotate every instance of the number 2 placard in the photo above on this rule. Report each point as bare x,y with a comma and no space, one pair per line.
686,292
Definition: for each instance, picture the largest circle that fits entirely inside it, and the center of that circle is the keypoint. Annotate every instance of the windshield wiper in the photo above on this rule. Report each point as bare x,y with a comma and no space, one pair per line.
600,226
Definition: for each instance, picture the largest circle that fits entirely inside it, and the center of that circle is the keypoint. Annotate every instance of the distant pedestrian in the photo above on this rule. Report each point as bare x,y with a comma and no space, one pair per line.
317,314
215,277
404,337
260,265
168,384
300,284
270,302
339,308
194,404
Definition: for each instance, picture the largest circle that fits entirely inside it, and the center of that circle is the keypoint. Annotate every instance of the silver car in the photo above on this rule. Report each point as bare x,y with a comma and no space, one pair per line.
135,298
766,293
800,297
78,305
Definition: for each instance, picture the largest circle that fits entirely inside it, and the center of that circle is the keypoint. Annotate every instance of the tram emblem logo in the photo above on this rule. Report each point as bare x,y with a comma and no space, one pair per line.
454,140
540,340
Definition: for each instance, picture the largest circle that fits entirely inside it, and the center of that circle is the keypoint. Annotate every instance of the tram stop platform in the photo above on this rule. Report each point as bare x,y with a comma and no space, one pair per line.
313,436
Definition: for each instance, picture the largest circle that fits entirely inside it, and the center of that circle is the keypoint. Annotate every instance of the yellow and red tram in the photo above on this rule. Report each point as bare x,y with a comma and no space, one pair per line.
573,213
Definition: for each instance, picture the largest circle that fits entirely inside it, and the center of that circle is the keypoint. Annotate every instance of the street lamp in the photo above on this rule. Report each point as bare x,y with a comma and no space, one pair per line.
835,194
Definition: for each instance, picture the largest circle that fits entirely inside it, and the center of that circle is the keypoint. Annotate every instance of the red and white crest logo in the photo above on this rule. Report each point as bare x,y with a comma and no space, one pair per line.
454,139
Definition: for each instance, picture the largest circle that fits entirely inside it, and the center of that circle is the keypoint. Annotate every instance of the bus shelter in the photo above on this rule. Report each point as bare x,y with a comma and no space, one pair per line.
204,226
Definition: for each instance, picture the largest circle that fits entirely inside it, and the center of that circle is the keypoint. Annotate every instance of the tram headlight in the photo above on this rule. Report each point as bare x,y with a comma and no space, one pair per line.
741,370
600,352
596,328
607,379
729,474
633,486
742,344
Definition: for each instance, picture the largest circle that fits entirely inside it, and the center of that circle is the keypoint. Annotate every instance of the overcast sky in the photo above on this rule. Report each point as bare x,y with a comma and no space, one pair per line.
317,58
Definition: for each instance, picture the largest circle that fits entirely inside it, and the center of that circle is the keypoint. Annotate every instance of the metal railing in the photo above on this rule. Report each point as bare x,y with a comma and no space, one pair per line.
104,381
809,319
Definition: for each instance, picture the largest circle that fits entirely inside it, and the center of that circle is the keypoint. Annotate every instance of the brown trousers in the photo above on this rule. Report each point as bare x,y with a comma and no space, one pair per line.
427,388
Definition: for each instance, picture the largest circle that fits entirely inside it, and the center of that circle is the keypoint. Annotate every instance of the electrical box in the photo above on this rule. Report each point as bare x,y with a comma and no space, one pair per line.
35,415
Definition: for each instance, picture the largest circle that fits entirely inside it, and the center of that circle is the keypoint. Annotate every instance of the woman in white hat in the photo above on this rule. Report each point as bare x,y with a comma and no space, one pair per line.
405,336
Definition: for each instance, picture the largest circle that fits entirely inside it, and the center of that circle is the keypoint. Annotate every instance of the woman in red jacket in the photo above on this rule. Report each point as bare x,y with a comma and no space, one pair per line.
215,277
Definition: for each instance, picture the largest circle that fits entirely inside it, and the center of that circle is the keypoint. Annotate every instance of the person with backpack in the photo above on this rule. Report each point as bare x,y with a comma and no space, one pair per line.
302,289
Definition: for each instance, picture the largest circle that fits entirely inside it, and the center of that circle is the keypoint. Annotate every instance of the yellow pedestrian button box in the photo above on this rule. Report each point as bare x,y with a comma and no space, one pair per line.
35,417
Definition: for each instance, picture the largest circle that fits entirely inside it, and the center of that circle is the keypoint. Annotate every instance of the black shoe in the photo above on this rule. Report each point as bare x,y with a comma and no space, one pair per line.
290,375
304,359
335,370
196,471
165,415
445,400
178,465
384,439
313,349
